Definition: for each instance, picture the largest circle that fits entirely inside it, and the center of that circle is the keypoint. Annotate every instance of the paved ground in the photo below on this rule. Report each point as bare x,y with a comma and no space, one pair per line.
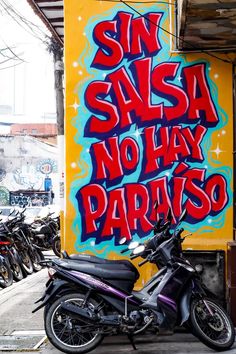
22,331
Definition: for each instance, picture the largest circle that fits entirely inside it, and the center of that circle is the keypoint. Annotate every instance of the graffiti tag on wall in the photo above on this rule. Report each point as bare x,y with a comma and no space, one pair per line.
29,198
147,124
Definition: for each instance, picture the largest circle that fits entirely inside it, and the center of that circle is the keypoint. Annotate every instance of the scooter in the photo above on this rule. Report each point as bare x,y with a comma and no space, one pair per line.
87,297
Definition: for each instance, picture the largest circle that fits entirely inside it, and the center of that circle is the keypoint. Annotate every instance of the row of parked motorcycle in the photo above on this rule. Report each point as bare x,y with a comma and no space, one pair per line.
22,242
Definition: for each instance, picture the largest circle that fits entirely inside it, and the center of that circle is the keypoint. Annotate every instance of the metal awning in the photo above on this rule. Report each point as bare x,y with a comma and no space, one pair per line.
52,14
206,24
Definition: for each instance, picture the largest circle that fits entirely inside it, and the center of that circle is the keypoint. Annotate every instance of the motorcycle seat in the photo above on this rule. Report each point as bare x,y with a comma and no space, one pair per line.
109,270
83,257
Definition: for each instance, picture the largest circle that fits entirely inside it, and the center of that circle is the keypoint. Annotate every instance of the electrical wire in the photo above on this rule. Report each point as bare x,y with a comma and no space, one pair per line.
20,20
7,47
12,66
142,2
174,35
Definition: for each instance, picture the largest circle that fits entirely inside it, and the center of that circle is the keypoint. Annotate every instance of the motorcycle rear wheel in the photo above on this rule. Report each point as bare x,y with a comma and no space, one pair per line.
67,334
216,329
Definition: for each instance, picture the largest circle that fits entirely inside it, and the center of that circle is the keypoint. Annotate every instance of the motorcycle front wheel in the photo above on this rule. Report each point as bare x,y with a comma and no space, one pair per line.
56,245
211,324
69,334
6,276
26,263
36,257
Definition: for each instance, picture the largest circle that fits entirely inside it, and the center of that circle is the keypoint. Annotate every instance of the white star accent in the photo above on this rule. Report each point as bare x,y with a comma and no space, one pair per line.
223,132
80,72
206,167
104,75
216,76
75,64
217,151
79,18
84,34
209,68
179,78
87,150
209,221
75,105
137,133
167,174
73,164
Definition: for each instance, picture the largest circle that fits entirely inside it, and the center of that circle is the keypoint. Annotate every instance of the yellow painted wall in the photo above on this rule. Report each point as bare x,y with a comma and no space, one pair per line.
216,227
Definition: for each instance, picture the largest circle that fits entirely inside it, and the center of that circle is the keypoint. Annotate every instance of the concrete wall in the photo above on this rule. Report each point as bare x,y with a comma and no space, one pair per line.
25,162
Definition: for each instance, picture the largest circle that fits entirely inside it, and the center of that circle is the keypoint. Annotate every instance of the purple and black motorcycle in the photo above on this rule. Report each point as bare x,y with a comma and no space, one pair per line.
88,297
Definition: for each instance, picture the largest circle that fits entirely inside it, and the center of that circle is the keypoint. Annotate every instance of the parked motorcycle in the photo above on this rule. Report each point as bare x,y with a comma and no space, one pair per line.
23,257
88,297
6,276
45,233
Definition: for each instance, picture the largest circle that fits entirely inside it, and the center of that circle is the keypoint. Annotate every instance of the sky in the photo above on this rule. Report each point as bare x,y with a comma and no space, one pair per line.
26,84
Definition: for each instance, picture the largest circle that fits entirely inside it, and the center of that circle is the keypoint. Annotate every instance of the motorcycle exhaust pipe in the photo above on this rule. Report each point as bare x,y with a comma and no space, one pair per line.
84,314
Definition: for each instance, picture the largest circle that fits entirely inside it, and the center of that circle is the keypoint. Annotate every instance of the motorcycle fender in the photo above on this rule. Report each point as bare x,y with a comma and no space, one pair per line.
185,305
53,288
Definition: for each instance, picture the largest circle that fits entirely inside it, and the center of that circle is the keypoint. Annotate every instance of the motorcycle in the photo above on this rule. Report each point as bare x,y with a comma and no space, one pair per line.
87,297
45,233
6,276
15,235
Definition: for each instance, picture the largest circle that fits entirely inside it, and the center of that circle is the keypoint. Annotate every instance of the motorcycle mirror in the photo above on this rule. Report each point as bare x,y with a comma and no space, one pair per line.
133,245
139,249
122,241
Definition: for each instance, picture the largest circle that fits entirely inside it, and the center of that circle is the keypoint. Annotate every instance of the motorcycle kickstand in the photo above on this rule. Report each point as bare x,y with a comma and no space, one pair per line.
131,339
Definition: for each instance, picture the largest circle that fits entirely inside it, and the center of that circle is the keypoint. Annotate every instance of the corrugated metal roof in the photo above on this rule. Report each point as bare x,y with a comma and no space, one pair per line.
52,14
207,24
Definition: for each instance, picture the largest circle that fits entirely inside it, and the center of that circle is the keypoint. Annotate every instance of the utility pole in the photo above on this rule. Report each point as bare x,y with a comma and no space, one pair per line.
55,48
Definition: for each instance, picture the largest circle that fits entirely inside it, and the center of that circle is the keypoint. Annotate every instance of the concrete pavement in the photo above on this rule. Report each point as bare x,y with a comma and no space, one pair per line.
22,331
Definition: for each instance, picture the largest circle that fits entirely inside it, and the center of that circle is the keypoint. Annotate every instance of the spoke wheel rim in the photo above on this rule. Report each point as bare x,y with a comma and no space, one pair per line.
69,330
212,327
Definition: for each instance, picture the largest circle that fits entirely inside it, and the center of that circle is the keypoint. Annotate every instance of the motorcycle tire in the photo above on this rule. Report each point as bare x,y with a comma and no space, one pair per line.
15,265
16,270
36,258
26,263
6,276
211,324
67,334
56,245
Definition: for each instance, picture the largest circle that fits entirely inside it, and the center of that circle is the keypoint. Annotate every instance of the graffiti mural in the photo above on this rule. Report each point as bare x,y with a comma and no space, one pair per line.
29,198
28,177
2,174
4,196
28,172
47,166
149,126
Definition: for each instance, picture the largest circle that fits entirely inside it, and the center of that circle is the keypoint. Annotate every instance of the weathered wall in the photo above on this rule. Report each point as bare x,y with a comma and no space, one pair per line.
24,164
